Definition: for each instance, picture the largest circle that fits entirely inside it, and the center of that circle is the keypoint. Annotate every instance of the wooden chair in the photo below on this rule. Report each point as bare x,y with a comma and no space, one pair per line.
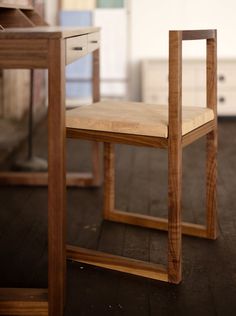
170,128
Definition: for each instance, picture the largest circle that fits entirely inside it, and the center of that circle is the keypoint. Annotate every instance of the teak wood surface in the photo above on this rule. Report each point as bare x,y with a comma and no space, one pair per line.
25,302
45,47
174,144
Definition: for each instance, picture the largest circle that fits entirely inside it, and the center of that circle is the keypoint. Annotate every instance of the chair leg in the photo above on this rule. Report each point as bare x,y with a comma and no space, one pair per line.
96,164
174,214
211,175
109,180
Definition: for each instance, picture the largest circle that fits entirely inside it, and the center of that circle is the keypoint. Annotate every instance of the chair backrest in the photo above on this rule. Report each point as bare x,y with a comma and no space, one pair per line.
175,74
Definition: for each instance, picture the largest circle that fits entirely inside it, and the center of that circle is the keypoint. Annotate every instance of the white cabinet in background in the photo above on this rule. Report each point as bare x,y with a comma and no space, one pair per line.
155,83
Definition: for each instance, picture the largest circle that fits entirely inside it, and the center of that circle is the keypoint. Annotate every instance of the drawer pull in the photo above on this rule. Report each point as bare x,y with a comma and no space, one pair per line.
80,48
94,42
221,78
222,99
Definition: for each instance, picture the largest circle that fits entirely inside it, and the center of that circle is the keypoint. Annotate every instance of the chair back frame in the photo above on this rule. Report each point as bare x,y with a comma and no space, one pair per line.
175,73
175,141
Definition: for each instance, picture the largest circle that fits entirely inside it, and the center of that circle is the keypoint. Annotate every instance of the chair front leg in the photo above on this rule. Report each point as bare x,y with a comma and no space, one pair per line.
211,176
109,180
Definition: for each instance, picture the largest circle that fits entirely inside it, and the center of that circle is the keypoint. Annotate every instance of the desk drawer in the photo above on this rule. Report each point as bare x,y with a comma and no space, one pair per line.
76,47
93,41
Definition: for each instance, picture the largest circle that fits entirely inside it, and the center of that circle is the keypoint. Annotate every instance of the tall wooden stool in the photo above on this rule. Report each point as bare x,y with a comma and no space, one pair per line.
169,127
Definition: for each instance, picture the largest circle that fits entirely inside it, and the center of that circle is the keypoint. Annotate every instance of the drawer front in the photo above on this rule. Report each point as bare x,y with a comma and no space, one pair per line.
155,74
76,47
190,97
93,41
226,98
227,75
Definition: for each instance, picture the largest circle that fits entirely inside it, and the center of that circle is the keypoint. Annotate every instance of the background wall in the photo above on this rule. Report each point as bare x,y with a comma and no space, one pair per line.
151,20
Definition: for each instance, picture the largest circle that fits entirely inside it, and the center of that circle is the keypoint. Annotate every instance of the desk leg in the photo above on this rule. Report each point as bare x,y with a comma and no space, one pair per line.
96,98
56,179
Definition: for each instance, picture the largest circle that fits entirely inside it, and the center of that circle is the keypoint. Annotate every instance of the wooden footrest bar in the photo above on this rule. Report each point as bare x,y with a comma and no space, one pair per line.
117,263
155,223
24,302
78,179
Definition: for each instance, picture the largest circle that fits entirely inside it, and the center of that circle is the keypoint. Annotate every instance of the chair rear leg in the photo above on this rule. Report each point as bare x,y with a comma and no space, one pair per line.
109,180
96,169
174,214
211,176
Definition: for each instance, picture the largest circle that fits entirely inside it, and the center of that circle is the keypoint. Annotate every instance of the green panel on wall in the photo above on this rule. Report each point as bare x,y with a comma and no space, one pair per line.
110,3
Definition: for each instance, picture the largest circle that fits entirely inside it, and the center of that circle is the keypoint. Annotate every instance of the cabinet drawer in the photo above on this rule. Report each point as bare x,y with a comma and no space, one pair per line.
93,41
76,47
155,74
189,98
226,98
226,102
226,75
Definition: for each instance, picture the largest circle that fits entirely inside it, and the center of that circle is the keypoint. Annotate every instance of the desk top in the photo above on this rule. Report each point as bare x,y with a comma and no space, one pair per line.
45,32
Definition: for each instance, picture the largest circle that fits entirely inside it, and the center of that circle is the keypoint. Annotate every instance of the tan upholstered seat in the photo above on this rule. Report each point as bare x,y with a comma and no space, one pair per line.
134,118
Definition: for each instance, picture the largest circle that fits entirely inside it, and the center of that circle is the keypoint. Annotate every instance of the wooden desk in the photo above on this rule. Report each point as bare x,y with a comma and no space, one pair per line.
50,48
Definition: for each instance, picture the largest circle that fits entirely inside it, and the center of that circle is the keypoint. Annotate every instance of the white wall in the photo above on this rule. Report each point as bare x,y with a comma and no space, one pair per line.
151,20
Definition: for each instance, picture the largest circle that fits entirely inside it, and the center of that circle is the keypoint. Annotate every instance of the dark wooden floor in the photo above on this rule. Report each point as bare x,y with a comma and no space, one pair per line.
209,267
